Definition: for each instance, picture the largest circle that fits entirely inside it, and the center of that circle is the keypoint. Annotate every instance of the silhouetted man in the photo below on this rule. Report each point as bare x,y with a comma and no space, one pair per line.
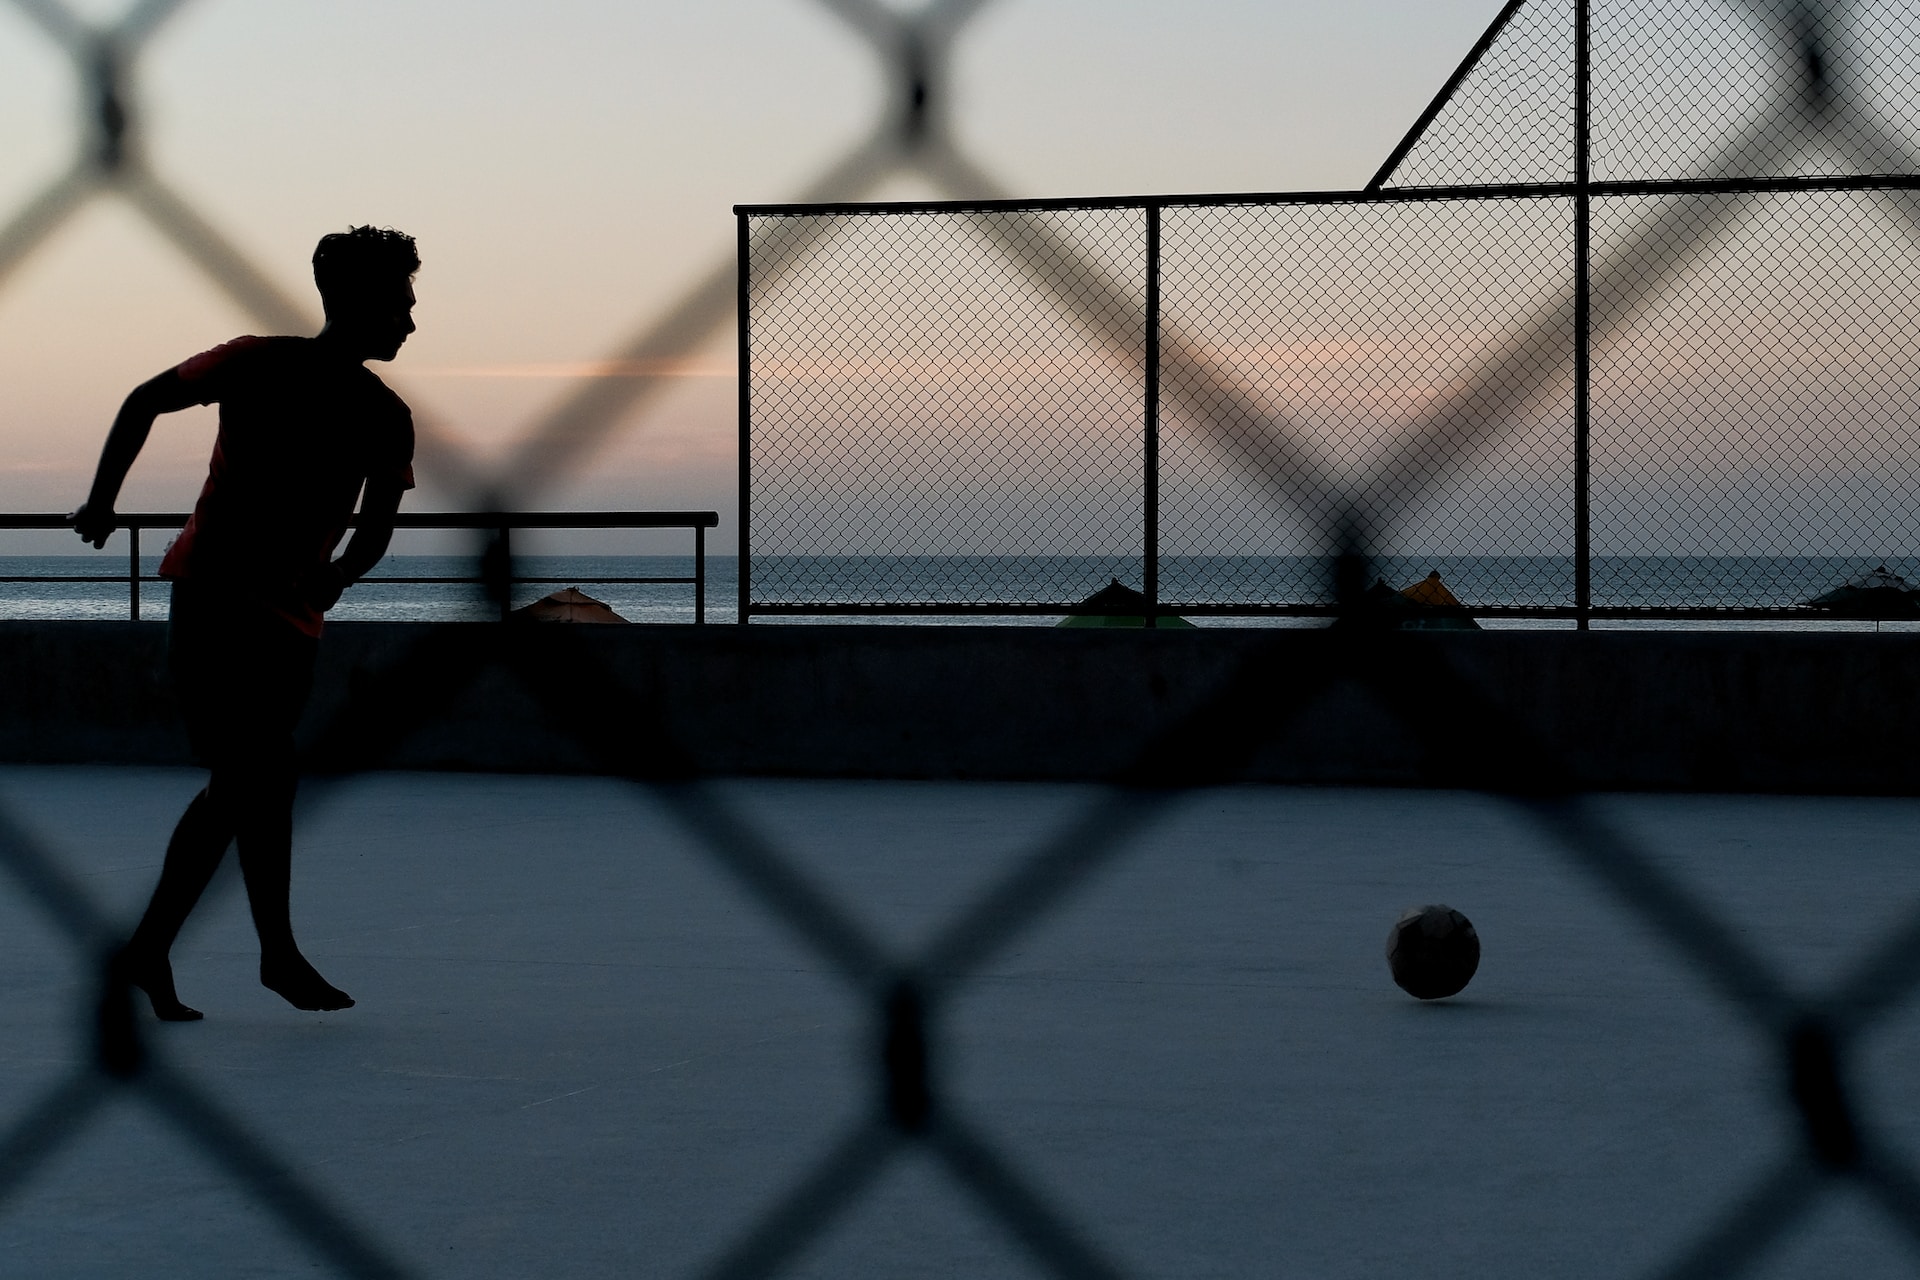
306,431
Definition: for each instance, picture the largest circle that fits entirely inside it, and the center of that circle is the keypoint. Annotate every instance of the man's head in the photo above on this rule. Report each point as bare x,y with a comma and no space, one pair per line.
365,277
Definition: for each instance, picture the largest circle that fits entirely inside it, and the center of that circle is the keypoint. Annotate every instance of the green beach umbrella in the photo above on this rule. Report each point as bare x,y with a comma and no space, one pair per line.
1118,605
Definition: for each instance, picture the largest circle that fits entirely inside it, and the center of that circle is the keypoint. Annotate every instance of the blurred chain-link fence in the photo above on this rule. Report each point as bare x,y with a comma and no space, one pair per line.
1430,369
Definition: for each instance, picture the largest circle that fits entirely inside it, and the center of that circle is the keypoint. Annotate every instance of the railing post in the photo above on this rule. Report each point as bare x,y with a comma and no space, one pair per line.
133,571
505,561
699,575
1582,324
1150,551
744,303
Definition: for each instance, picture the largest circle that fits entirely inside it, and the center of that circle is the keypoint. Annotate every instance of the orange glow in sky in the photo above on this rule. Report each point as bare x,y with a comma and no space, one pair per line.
569,170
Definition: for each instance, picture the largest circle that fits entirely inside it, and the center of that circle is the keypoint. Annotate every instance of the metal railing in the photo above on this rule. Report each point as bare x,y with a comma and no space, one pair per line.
500,524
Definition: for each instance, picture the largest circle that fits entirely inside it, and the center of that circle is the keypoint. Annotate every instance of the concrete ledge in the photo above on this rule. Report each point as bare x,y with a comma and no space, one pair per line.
1670,710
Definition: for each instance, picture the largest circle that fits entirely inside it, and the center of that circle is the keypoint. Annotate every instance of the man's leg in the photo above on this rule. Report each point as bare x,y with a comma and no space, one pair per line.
200,840
260,799
242,677
201,837
257,792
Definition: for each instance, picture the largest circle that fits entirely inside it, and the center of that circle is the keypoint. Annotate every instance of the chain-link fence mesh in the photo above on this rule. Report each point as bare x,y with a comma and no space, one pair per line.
987,439
1753,423
1681,390
1342,374
928,394
1510,119
1714,91
1314,341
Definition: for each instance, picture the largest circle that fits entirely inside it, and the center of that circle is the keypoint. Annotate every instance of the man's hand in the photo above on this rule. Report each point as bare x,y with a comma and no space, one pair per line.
321,587
94,525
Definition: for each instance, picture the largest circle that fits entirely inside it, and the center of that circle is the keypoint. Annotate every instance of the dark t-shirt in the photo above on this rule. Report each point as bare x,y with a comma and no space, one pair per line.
301,432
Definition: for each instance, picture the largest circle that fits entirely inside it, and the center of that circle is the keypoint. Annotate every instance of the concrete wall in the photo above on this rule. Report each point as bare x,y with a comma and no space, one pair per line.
1713,711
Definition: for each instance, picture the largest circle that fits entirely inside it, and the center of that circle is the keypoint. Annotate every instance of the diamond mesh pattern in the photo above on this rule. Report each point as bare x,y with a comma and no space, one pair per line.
1402,368
1346,335
1366,374
1717,90
946,405
1511,119
1758,409
1654,91
1739,91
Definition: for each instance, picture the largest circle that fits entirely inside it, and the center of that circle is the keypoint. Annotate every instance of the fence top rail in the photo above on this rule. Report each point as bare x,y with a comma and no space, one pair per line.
420,520
1384,195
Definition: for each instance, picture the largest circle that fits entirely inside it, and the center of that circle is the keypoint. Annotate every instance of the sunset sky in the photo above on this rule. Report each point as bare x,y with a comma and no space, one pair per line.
569,170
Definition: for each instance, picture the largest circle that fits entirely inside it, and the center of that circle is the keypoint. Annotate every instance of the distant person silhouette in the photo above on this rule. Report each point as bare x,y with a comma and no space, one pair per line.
306,431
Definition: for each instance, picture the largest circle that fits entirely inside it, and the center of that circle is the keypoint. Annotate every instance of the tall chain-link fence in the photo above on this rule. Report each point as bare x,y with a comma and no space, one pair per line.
1678,382
1449,373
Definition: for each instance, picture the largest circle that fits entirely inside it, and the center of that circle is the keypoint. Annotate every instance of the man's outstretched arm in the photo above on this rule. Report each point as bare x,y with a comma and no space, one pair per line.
378,506
95,519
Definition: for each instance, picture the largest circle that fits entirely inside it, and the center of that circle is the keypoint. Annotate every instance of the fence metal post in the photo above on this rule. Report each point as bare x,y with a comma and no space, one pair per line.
699,575
1150,553
133,571
1582,323
745,326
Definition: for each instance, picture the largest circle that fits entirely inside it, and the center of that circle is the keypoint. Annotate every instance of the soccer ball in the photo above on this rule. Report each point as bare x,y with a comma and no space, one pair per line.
1432,952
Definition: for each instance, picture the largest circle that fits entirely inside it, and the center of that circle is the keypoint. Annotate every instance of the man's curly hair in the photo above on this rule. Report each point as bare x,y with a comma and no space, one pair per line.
362,262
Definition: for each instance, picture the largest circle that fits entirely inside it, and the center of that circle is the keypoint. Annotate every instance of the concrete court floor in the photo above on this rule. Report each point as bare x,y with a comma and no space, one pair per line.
582,1050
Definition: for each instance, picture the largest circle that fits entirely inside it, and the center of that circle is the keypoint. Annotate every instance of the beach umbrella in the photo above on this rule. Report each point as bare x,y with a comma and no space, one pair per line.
1435,607
1118,605
1427,605
569,605
1878,595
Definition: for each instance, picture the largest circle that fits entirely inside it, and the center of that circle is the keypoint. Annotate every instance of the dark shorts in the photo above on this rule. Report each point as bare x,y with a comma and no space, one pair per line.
241,674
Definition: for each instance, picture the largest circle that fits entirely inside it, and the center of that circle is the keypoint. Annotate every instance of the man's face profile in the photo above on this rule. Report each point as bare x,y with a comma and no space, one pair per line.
394,322
381,321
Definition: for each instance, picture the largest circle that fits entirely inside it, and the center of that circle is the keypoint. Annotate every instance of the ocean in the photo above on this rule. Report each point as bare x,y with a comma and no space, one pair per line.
1646,581
106,597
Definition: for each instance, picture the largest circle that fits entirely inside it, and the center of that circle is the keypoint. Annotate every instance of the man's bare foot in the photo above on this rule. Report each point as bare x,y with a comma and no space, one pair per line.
300,984
154,975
